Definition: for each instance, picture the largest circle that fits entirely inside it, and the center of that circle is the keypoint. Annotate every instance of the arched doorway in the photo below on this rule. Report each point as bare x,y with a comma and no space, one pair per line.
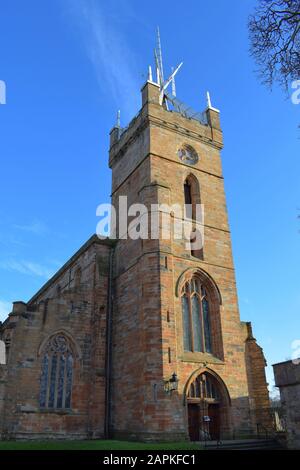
208,407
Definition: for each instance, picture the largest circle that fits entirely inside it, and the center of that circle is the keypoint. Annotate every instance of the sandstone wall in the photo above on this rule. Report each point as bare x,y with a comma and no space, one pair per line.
73,303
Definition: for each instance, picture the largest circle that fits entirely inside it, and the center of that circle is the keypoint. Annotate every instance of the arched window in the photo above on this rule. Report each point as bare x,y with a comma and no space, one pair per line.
204,387
187,192
191,196
196,317
191,200
57,373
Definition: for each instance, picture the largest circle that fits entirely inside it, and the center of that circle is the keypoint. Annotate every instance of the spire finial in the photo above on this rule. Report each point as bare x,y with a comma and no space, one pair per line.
208,100
150,79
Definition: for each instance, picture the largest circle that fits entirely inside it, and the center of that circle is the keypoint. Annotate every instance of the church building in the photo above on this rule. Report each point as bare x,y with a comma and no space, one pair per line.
141,338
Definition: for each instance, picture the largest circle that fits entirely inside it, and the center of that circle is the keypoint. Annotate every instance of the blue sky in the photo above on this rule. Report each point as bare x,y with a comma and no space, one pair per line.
69,66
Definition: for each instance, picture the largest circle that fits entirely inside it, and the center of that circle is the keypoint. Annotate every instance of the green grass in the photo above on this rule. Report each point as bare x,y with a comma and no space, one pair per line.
95,445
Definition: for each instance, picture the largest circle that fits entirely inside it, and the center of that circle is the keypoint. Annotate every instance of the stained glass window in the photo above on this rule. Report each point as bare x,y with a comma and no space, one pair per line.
57,374
206,321
196,317
69,374
52,381
61,381
197,326
44,381
186,323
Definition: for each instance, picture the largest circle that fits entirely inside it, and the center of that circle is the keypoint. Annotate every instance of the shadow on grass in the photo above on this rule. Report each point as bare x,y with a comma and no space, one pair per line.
95,445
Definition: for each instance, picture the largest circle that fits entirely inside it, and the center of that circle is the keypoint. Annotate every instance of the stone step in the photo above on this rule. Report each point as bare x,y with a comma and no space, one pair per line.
243,444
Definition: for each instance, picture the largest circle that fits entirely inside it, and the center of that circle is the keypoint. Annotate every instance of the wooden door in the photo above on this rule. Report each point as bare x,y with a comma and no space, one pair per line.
194,422
214,423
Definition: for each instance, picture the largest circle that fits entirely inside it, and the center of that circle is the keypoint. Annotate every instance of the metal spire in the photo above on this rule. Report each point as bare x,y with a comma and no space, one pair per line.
158,77
162,83
159,58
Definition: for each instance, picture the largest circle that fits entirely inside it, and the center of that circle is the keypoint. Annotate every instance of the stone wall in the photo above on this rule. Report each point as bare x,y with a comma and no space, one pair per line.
287,378
3,379
258,392
74,304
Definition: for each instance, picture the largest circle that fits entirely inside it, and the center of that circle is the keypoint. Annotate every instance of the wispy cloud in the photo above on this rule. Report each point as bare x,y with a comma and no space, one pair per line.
37,227
107,48
5,309
27,267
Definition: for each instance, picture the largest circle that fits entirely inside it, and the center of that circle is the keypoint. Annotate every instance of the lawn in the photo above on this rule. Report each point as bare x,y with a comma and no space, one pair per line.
95,445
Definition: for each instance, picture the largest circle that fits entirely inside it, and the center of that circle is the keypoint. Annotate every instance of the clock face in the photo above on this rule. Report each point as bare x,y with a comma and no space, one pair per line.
188,155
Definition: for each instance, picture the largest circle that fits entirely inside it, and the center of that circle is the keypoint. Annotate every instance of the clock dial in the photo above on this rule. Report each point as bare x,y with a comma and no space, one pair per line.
188,155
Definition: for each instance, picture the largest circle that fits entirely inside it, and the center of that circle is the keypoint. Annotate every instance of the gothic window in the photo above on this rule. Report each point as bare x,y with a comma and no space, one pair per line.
191,200
204,387
187,192
57,374
196,317
191,196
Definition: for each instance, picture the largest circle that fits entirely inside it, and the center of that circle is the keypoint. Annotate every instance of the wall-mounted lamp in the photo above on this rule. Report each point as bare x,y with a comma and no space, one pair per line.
172,383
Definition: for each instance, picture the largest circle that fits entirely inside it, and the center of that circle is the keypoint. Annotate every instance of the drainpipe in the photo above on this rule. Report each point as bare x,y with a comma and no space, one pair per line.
108,361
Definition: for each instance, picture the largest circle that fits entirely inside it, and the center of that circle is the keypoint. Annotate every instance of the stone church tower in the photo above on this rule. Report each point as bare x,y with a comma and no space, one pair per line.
140,338
161,290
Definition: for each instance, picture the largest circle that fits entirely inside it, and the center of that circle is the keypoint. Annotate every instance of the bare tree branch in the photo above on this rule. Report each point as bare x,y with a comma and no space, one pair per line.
274,31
